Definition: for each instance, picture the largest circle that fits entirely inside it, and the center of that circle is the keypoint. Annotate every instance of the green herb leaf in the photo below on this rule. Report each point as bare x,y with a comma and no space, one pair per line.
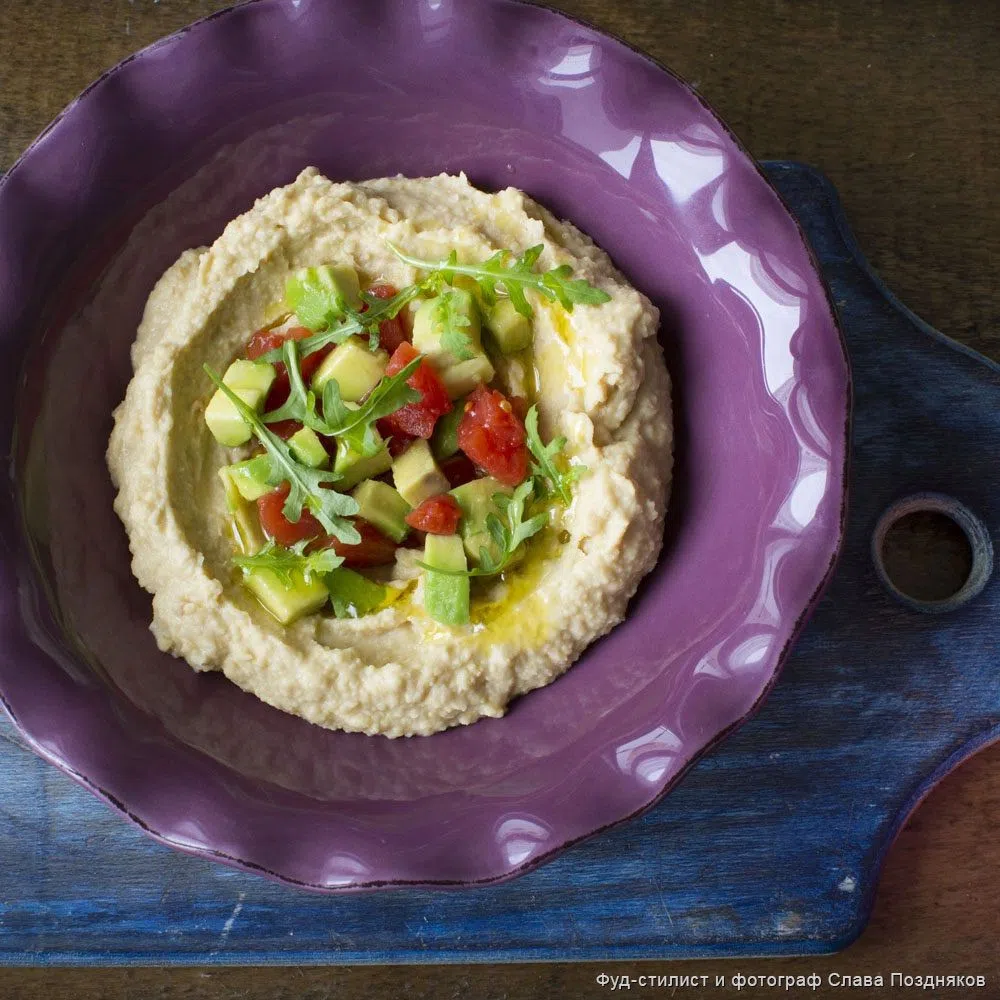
515,274
282,562
338,419
307,486
367,322
315,297
508,533
551,480
391,394
452,323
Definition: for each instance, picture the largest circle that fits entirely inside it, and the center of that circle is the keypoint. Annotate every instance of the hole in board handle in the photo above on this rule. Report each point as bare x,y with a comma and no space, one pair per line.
931,552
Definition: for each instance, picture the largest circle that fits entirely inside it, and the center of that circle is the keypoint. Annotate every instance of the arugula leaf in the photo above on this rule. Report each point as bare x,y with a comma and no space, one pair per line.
367,322
551,480
282,562
452,322
391,394
301,402
515,274
306,485
338,419
507,533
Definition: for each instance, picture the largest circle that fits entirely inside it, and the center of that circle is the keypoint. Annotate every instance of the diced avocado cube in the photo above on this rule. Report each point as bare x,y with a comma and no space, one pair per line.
444,440
352,594
476,502
243,374
249,478
224,420
318,294
462,378
428,329
416,474
381,505
352,466
308,449
250,380
510,330
446,596
287,603
247,532
356,369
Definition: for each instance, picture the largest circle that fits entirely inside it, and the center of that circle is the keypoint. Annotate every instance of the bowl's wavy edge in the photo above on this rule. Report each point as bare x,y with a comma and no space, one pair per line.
243,864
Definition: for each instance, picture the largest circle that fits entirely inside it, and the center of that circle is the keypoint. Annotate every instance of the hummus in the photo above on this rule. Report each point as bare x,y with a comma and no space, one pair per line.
597,375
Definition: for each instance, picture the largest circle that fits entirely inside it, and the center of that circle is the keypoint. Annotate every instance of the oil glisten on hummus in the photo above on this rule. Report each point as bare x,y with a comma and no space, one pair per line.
394,452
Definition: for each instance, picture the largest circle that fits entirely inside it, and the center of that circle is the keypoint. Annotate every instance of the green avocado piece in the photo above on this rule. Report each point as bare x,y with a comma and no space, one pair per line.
511,332
428,331
444,441
308,449
416,474
247,532
249,478
356,369
353,466
287,602
352,594
446,596
250,380
381,505
476,501
459,380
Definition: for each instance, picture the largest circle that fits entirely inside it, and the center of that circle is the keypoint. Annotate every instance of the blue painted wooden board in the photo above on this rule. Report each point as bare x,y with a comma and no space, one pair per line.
772,844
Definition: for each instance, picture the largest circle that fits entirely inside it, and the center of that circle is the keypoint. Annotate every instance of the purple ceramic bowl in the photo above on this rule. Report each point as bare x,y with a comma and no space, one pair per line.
155,157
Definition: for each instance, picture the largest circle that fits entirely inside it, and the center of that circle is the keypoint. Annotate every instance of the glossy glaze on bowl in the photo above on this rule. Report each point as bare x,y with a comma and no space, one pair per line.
125,180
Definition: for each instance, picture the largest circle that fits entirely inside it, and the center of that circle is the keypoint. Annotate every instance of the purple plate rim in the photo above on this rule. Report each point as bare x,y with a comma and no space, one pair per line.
233,861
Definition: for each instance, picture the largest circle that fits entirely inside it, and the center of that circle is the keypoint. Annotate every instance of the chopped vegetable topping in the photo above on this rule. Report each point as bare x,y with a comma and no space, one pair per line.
507,534
374,549
391,332
283,562
306,485
270,510
493,437
374,415
515,274
550,479
437,515
417,418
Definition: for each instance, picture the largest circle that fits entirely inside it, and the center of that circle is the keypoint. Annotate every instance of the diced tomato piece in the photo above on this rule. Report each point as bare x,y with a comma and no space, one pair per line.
416,419
374,549
437,515
458,470
285,428
277,526
398,442
391,332
264,341
493,436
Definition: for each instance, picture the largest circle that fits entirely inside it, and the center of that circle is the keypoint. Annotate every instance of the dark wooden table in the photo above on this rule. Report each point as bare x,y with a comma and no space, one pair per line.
897,101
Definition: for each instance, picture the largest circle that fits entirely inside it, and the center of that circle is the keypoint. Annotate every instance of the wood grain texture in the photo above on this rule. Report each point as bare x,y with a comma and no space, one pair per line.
896,102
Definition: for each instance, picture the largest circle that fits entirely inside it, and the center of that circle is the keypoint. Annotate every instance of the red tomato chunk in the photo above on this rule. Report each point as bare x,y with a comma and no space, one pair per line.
391,332
277,526
264,341
458,470
437,516
416,419
493,436
374,549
